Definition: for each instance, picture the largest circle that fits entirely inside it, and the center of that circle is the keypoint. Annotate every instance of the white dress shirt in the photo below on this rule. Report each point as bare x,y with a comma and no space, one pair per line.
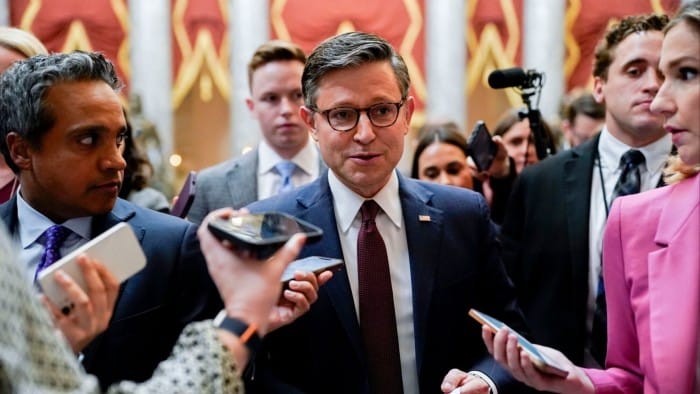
31,225
610,151
346,205
269,180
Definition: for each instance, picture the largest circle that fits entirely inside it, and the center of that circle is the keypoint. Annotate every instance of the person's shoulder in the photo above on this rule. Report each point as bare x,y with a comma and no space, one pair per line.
148,218
441,196
219,169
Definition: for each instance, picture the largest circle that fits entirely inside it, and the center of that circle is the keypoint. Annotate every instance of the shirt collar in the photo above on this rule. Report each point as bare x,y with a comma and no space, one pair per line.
351,202
306,159
33,223
655,154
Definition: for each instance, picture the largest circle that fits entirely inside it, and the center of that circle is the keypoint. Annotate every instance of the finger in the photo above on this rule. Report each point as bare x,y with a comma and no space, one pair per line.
54,312
306,277
474,385
304,289
301,302
324,277
452,380
75,294
95,288
287,254
499,346
111,284
487,337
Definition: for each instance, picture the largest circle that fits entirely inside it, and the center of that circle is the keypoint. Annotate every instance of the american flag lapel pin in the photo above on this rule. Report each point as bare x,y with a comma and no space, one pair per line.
423,218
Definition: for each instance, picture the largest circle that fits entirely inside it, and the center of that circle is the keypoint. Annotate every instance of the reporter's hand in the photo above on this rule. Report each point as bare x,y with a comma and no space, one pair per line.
460,382
500,167
249,287
297,299
90,312
504,348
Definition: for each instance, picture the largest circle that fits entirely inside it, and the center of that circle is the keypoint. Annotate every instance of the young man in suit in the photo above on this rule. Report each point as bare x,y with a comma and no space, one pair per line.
274,79
395,321
553,227
61,127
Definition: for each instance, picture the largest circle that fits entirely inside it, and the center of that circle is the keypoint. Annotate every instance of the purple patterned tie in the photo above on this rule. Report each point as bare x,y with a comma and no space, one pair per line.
55,236
377,317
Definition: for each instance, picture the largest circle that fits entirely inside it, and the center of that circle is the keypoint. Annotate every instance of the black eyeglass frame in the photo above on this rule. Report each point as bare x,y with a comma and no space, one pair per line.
359,111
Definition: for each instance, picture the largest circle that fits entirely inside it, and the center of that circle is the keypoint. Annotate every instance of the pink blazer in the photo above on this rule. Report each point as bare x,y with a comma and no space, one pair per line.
651,261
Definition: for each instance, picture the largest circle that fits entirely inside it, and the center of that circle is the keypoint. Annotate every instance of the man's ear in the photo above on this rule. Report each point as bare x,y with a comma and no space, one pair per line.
598,94
307,116
20,151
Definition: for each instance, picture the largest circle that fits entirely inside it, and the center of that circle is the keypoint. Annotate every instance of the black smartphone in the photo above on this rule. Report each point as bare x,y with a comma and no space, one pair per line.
480,146
262,233
185,197
315,264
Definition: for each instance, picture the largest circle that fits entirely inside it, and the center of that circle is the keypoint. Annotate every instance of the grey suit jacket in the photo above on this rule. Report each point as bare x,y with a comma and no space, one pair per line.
233,183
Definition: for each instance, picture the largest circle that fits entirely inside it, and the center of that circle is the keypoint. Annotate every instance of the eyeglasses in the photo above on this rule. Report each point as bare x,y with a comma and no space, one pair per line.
346,118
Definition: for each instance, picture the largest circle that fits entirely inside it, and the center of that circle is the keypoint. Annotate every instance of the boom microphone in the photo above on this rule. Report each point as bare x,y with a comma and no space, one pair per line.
513,77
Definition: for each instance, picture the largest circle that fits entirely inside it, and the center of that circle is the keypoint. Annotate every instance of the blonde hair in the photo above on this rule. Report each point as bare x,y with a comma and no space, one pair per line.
21,41
676,170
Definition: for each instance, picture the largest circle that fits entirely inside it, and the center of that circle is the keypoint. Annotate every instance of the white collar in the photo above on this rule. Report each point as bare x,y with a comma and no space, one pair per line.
610,150
306,159
347,203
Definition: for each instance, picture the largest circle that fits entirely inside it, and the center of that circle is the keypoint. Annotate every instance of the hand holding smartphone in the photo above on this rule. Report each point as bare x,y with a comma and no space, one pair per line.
262,233
480,146
117,248
315,264
541,361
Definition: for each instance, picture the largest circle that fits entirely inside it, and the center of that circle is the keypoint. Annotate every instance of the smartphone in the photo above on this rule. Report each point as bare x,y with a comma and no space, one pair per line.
117,248
480,146
185,197
262,233
315,264
541,361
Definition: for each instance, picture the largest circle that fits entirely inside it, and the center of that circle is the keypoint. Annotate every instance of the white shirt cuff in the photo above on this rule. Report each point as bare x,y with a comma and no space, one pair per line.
485,378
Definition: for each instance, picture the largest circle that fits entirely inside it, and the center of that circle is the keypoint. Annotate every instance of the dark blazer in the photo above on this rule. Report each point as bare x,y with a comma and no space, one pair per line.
545,247
155,304
455,265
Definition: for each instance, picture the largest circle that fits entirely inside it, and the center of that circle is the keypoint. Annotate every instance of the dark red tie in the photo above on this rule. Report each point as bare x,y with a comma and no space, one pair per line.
377,317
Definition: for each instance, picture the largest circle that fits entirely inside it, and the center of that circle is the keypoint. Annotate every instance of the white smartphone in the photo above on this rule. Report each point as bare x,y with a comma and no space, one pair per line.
117,248
542,362
315,264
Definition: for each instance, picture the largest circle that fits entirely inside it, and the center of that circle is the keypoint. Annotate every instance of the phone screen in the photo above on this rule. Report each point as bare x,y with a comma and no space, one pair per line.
263,232
481,148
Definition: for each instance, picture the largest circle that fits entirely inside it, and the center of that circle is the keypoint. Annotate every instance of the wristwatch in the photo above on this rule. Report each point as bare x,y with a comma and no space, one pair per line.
246,333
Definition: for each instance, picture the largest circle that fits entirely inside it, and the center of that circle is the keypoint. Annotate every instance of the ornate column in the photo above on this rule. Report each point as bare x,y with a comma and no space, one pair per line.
543,49
445,60
4,13
151,64
248,28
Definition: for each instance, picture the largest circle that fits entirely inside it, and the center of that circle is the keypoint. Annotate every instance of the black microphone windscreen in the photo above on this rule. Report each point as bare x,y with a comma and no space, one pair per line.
507,78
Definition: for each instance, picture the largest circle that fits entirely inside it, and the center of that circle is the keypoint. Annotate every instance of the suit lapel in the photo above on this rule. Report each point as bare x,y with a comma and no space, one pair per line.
242,179
578,171
674,288
421,238
317,207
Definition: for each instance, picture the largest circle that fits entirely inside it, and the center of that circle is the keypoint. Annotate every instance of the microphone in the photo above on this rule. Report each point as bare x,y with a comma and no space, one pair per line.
513,77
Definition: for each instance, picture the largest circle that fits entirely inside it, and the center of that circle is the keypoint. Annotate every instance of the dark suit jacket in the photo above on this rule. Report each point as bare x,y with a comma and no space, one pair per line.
455,265
545,247
155,304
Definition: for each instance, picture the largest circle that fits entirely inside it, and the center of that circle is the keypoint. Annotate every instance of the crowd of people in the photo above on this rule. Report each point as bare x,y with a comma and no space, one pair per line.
591,253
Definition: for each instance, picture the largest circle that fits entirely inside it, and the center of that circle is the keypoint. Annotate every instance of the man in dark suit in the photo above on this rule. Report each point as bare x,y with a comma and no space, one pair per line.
438,255
61,129
553,227
274,79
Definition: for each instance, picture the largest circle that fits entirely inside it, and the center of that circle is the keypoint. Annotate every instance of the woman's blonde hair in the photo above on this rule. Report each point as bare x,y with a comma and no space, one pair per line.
21,41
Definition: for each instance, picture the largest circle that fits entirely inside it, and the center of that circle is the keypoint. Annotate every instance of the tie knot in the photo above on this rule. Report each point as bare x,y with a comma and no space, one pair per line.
56,235
632,158
285,168
369,210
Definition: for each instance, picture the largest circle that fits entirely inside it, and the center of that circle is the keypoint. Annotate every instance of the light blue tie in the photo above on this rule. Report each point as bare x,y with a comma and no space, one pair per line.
286,170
